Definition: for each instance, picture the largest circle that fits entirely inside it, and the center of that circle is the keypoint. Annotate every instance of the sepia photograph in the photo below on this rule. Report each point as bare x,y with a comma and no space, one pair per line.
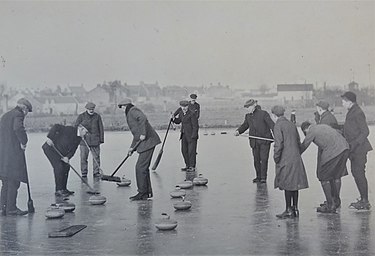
192,127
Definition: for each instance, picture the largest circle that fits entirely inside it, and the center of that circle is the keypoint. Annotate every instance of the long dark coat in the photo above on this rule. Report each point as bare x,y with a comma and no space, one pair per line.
356,131
259,124
290,171
94,125
12,135
139,125
189,124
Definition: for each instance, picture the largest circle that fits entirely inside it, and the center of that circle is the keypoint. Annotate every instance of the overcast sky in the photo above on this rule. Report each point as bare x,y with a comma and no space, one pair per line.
241,44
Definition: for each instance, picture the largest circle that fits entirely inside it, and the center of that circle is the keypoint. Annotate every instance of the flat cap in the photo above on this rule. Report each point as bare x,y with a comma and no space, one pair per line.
278,110
304,125
184,103
26,103
249,103
349,96
90,105
124,102
323,104
193,96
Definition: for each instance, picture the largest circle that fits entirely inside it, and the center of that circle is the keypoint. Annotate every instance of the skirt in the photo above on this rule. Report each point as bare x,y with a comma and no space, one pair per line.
334,168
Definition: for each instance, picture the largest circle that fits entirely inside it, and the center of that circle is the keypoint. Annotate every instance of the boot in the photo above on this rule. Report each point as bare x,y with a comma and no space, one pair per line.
326,209
17,212
360,205
295,211
139,196
288,213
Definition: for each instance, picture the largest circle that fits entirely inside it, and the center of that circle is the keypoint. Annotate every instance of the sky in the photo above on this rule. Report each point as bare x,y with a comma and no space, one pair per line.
243,44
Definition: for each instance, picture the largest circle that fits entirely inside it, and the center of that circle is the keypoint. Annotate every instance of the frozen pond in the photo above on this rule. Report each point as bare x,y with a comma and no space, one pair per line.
230,216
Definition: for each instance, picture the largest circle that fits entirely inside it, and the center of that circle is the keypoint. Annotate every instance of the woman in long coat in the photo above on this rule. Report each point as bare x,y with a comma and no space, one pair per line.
290,171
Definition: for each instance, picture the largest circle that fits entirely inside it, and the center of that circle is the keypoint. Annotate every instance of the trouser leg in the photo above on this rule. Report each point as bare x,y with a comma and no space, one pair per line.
295,199
64,175
95,151
192,153
185,151
142,172
326,186
263,154
4,195
288,199
256,157
358,165
57,165
84,154
13,186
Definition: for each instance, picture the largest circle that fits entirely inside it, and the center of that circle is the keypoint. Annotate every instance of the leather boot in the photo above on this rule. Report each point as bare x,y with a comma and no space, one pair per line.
288,213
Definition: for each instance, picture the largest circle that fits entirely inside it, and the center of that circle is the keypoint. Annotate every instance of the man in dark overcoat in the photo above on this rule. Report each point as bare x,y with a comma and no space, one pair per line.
142,131
13,169
94,124
66,140
356,132
194,105
259,124
325,116
189,134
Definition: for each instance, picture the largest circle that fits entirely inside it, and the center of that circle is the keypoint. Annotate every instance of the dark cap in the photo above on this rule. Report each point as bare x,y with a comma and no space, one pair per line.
278,110
193,96
323,104
26,103
124,102
90,105
249,103
349,96
304,125
184,103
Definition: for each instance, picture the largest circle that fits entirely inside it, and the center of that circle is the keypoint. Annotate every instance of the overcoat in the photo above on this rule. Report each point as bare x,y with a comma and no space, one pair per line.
94,124
329,119
12,135
139,125
195,108
356,131
189,124
259,124
290,170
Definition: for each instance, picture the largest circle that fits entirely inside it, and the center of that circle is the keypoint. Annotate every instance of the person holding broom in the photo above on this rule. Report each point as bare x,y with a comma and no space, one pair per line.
142,131
66,140
13,169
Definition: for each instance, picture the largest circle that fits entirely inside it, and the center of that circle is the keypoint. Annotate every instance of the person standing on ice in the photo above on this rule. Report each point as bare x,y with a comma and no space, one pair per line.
66,140
13,169
259,124
94,138
194,105
356,132
142,131
290,171
333,151
189,134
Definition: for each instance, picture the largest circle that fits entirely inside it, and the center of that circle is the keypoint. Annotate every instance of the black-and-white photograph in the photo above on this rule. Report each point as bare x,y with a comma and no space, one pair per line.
187,127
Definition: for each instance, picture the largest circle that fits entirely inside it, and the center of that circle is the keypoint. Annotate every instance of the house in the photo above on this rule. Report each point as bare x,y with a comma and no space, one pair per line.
175,92
107,95
78,91
295,94
58,105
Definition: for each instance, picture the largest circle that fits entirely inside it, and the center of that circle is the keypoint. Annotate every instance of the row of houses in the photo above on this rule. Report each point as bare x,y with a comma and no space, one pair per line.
73,99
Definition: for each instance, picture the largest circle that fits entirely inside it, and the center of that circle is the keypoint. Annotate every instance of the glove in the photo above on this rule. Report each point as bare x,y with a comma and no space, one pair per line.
130,151
142,137
236,133
23,147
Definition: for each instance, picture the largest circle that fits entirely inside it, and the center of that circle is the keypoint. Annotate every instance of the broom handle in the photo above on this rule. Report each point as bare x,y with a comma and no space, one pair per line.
256,137
82,179
166,134
87,145
126,158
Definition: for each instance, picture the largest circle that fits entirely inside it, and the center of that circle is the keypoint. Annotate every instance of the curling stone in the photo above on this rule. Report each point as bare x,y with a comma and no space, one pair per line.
223,132
205,133
182,205
68,207
97,199
124,182
200,181
178,192
165,223
213,133
54,212
185,184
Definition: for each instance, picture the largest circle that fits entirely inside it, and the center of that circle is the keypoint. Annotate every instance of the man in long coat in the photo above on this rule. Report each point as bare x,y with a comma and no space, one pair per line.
259,124
333,153
290,171
142,131
189,134
356,132
13,169
94,124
